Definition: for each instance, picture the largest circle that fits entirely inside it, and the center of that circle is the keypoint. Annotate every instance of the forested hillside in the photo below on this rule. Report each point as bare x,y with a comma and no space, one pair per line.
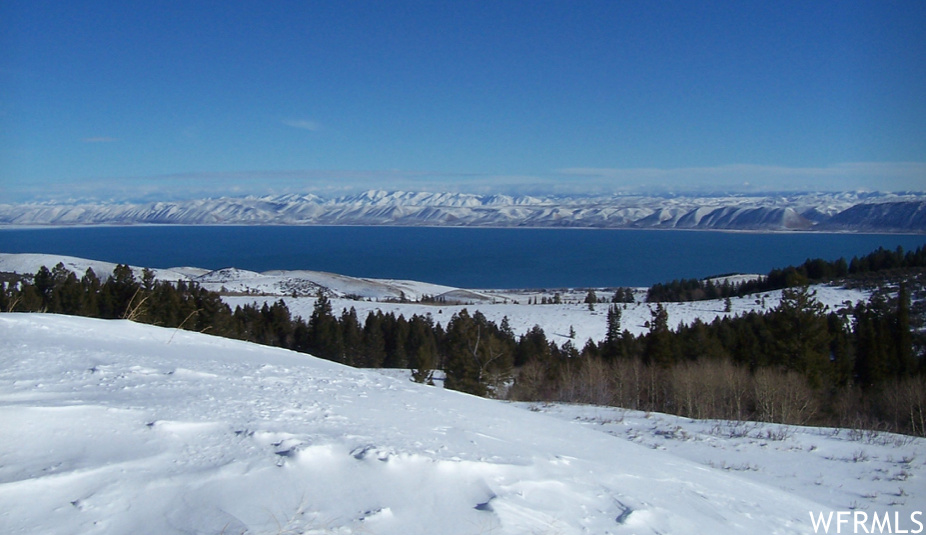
810,272
859,366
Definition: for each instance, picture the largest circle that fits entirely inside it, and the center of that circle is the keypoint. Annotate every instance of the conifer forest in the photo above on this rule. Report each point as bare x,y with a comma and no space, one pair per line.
861,366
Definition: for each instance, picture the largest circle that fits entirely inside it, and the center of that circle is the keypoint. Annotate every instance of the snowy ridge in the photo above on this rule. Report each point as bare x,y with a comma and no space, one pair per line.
127,428
30,263
895,215
809,211
234,280
299,288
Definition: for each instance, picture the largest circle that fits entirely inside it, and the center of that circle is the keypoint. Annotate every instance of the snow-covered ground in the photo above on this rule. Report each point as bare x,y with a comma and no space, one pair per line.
573,314
115,427
846,469
30,263
233,280
298,288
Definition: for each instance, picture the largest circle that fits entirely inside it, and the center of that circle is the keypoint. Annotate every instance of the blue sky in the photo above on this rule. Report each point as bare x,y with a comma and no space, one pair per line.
176,99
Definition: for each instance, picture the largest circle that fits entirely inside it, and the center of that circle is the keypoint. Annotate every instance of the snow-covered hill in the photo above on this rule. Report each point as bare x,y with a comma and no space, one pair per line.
234,280
115,427
881,216
30,263
572,314
841,211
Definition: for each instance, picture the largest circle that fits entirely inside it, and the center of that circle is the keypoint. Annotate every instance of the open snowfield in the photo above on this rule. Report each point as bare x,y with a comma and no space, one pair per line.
558,319
115,427
298,288
847,469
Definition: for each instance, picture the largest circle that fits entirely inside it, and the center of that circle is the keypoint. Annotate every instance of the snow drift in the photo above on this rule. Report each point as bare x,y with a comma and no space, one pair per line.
115,427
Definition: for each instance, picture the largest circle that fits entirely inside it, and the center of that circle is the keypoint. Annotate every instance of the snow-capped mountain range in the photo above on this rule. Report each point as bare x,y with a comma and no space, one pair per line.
856,211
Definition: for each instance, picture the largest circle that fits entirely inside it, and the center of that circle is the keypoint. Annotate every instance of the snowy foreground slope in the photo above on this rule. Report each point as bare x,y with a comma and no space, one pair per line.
115,427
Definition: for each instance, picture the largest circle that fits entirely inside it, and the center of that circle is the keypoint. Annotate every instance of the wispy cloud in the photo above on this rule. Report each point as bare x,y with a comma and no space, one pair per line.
884,176
99,139
872,176
177,186
303,124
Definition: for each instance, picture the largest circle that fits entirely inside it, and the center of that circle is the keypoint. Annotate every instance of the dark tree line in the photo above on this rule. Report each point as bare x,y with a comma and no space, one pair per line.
797,363
810,272
476,354
120,296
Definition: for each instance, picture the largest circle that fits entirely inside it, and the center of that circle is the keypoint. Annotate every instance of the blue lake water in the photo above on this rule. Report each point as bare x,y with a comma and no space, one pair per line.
463,257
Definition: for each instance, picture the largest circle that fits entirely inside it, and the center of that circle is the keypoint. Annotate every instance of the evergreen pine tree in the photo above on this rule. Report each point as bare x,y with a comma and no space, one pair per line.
841,350
396,332
870,360
118,292
533,347
374,343
801,334
479,358
324,332
903,337
613,343
352,334
422,345
462,367
659,347
44,285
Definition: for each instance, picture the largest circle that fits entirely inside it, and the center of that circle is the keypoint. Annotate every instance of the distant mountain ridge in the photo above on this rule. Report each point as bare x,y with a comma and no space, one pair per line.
898,216
862,212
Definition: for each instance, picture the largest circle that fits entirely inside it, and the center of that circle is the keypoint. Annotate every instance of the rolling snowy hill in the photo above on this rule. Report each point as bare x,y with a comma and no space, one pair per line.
234,280
115,427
